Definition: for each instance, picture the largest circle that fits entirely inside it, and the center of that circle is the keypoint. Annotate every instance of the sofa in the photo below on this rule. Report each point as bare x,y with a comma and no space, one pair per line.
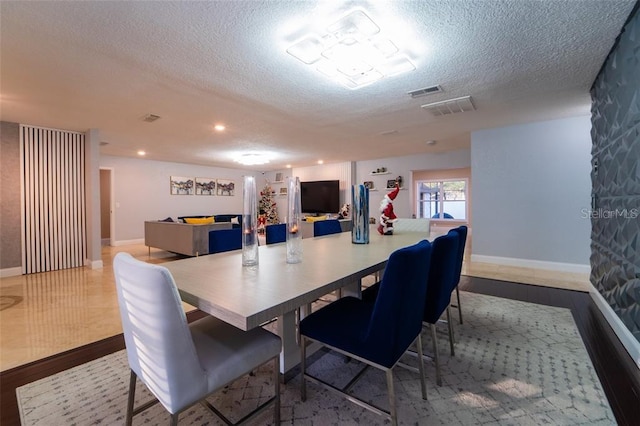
234,219
182,238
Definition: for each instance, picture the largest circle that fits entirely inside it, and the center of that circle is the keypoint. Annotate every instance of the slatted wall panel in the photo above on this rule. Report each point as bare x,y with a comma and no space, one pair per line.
53,215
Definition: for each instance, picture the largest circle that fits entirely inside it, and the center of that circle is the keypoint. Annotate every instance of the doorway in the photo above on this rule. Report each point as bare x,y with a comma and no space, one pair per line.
106,206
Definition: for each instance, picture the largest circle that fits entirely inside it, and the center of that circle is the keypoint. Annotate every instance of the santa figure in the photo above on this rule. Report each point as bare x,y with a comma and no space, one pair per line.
387,217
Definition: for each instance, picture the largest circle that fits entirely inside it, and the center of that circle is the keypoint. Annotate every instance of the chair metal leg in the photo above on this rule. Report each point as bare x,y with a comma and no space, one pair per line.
436,356
451,335
130,400
392,398
459,305
276,385
303,356
174,419
423,385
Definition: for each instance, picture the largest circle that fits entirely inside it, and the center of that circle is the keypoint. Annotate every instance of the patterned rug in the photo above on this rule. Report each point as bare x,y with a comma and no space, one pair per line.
516,363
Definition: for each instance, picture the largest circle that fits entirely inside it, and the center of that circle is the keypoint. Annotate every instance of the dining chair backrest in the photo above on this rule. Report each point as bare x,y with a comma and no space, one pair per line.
221,240
396,319
160,349
461,232
276,233
442,277
326,227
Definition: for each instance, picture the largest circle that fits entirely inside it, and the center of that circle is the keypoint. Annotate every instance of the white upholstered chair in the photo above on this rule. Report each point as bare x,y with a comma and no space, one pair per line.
413,225
183,363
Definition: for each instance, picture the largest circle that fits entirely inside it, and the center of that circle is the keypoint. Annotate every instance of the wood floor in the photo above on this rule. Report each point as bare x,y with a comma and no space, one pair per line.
619,376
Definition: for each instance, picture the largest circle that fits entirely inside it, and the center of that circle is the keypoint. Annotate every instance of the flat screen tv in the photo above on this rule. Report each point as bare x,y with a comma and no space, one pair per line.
320,196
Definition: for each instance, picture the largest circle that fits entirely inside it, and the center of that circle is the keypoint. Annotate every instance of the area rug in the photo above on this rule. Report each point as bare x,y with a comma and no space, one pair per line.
515,363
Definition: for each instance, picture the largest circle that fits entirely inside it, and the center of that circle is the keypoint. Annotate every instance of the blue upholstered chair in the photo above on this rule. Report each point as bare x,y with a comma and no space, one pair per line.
379,333
181,364
442,281
442,275
276,233
221,240
462,240
326,227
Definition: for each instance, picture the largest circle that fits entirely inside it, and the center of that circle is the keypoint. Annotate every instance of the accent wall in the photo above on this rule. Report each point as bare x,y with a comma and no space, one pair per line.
615,215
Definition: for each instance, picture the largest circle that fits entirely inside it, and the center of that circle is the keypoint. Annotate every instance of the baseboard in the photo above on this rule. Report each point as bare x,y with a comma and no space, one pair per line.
529,263
126,242
93,264
10,272
626,338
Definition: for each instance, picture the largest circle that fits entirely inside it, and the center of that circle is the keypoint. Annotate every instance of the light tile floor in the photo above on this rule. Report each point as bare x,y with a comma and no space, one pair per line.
47,313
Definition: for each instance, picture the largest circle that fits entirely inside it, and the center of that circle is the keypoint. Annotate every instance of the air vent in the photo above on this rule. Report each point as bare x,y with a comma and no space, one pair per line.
425,91
389,133
450,106
103,143
150,118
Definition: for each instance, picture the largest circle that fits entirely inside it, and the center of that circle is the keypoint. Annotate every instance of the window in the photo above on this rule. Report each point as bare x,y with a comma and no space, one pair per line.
442,199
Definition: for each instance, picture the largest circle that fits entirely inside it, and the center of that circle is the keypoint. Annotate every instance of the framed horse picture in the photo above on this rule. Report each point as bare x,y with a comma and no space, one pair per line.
205,186
225,187
181,185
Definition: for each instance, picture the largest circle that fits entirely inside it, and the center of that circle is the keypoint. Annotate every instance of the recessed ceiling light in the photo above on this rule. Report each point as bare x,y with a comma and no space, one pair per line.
320,162
288,166
219,127
141,152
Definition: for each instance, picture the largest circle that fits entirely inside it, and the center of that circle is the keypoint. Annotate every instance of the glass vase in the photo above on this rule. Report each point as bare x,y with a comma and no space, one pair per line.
360,214
249,223
294,216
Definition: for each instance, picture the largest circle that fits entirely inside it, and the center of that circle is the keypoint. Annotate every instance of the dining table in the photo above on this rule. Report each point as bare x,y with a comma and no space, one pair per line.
249,296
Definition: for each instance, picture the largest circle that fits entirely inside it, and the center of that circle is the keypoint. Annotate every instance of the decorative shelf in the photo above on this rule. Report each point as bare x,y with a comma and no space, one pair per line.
379,173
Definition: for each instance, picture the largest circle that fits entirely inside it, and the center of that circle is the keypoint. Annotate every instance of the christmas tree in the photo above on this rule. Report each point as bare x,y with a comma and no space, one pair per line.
267,207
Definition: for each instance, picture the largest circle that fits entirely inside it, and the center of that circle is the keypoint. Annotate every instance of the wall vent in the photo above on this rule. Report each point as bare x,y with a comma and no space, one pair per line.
425,91
450,106
150,118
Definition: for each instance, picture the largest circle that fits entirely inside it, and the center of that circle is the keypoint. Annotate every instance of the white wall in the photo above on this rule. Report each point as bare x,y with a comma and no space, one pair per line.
531,183
340,171
403,166
141,189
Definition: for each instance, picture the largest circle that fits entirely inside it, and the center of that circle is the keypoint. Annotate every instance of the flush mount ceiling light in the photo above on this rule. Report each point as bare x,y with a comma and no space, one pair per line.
252,159
352,52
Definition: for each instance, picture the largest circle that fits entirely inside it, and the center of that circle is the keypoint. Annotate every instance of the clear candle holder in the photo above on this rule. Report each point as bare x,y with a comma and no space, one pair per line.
294,216
360,214
249,223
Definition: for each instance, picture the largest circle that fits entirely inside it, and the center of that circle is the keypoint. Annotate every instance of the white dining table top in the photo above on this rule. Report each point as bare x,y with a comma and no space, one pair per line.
248,296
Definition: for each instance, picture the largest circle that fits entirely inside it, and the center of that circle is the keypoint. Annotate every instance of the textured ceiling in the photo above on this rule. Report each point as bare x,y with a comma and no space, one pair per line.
105,65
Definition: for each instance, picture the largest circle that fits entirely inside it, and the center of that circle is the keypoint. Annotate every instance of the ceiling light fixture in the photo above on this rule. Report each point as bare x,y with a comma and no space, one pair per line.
141,152
352,52
219,127
252,159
